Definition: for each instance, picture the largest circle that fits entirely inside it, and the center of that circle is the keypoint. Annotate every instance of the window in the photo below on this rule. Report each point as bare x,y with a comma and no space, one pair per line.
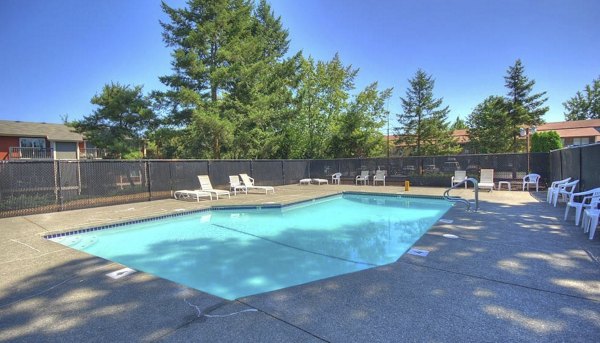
32,143
581,141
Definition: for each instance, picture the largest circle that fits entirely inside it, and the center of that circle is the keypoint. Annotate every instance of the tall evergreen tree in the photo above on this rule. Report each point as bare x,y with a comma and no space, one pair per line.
228,76
584,105
524,107
490,128
423,128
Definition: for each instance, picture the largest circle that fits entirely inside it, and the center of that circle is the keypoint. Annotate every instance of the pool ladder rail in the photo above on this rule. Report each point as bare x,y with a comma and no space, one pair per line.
448,197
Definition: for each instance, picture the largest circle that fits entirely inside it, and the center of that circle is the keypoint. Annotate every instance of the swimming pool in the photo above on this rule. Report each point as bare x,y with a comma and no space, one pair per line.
237,252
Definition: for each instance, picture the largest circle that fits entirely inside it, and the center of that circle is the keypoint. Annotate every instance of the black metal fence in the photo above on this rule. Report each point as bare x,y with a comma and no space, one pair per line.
28,187
580,163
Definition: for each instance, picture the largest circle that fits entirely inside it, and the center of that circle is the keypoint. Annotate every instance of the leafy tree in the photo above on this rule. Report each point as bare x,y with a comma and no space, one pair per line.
321,99
459,124
358,132
490,128
545,141
584,105
120,122
524,108
424,126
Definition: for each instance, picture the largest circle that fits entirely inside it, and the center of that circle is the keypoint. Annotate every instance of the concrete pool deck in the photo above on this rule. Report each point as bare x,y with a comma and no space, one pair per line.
516,272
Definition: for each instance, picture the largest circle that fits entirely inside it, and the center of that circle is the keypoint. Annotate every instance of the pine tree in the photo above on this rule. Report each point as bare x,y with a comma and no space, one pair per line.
459,124
524,108
584,105
424,127
120,122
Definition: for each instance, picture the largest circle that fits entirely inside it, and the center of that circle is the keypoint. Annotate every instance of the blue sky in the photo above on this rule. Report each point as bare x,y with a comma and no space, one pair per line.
55,55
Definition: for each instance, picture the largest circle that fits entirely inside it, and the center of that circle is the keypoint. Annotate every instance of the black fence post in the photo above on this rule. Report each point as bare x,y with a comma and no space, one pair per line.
282,173
59,186
147,170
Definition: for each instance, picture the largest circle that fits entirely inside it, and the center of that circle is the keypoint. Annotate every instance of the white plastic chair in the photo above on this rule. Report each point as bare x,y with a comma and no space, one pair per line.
235,185
459,176
531,179
590,218
249,183
565,190
206,186
486,179
579,206
363,177
379,177
336,178
554,188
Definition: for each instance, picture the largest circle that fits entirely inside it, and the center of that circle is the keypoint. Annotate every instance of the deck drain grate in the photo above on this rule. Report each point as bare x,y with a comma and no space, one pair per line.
418,252
121,273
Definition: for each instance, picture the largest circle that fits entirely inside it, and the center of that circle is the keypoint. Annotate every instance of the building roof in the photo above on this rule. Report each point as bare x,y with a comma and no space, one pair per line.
565,129
52,132
574,124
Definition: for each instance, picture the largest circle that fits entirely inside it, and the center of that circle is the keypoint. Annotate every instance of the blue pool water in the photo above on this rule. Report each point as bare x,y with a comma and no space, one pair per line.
238,252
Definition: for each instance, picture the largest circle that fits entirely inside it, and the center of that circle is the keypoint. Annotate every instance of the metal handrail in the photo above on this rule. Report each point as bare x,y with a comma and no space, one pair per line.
461,200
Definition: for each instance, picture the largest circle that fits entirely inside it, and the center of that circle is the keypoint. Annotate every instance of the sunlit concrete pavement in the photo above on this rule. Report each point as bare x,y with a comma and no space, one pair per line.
515,272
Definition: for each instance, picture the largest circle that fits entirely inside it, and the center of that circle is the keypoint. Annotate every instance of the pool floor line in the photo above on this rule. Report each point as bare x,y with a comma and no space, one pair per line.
296,248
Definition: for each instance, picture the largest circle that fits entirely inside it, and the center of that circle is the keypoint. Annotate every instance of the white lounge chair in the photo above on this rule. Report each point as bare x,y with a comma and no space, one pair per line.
187,194
236,185
459,176
249,183
379,177
486,179
206,186
320,181
531,179
336,178
585,202
363,177
554,189
590,218
565,191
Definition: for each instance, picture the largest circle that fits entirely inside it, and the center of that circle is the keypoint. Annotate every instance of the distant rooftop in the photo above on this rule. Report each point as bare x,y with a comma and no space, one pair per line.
53,132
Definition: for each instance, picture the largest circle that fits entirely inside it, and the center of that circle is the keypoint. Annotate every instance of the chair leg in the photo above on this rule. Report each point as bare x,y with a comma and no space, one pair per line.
577,215
593,225
567,212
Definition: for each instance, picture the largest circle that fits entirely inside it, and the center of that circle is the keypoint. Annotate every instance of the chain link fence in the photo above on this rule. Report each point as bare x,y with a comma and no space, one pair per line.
39,186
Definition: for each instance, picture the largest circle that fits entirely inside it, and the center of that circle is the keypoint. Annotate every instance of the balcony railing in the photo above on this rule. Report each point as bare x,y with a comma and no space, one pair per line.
16,153
92,153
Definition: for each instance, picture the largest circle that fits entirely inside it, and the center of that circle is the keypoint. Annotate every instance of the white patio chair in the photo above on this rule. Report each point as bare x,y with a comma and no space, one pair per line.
486,179
580,206
249,183
379,177
565,190
336,178
459,176
191,194
363,177
590,218
554,188
531,179
206,186
235,185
